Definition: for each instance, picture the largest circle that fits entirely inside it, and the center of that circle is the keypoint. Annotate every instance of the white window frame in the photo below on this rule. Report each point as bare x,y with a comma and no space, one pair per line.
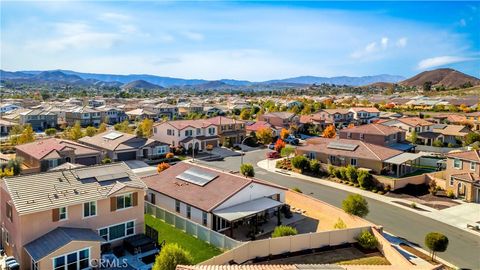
178,207
460,163
473,166
60,213
90,209
65,266
113,225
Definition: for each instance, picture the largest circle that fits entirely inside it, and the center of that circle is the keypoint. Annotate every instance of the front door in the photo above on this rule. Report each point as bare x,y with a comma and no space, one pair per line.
145,153
461,190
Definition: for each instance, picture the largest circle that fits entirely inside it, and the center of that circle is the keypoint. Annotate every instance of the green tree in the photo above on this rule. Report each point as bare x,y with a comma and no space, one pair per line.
283,230
315,166
427,86
123,127
436,242
106,160
301,163
351,173
264,135
27,135
245,114
356,205
75,132
437,143
15,165
102,128
50,131
367,240
170,256
365,179
247,170
145,128
287,151
413,137
90,131
471,138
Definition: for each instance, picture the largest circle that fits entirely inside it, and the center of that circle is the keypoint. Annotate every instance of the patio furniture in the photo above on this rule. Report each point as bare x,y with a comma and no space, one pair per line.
139,243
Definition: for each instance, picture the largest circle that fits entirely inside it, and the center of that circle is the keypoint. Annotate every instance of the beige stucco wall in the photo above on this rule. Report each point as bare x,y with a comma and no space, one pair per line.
47,262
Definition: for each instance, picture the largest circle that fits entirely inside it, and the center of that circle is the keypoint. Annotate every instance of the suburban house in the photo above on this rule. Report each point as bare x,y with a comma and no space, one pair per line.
474,118
6,126
256,126
120,146
463,174
365,115
447,134
190,134
112,116
86,116
229,129
342,152
281,120
336,117
39,119
140,114
314,120
7,107
409,124
185,108
163,110
213,198
387,136
64,219
42,155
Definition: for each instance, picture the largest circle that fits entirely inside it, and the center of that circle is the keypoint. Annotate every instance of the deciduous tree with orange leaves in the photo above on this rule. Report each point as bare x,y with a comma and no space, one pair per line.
162,167
279,145
329,132
284,133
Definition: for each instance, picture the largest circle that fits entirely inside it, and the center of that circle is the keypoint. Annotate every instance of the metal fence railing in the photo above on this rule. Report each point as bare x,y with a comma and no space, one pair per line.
201,232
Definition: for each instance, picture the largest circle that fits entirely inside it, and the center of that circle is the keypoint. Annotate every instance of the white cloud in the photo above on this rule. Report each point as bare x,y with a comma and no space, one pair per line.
114,17
463,22
193,35
401,42
384,42
441,60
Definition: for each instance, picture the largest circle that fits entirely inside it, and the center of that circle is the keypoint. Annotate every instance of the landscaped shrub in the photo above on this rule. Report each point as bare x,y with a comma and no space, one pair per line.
283,230
337,173
356,205
315,166
106,160
437,143
339,225
170,256
367,240
388,188
247,170
169,155
162,167
450,194
436,242
432,187
331,170
351,173
413,205
343,173
50,131
301,163
287,151
365,179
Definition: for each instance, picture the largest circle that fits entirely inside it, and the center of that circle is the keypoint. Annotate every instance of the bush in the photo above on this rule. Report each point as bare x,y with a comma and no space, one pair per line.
343,173
247,170
50,131
388,188
315,166
209,147
381,192
162,167
365,179
437,143
331,170
339,225
432,187
450,194
367,240
283,230
301,163
356,205
287,151
436,242
170,256
296,189
413,205
106,160
351,173
169,155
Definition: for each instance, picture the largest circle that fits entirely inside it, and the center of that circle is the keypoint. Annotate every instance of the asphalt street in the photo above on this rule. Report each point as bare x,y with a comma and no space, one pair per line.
463,250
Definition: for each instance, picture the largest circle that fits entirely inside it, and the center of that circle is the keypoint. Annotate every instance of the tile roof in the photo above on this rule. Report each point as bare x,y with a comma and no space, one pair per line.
263,267
41,148
365,109
372,129
414,121
57,238
334,111
205,197
472,155
258,125
282,115
363,150
181,124
452,130
468,177
222,120
123,142
43,191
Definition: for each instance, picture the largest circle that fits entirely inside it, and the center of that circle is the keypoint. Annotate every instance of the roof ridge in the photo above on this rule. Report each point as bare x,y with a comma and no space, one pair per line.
373,152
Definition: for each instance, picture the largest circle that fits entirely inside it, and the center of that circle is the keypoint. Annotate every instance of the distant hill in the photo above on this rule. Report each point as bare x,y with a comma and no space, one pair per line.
341,80
141,84
447,77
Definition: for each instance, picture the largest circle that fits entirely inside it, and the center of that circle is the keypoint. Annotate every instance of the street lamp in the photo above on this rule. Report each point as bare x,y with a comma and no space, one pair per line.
243,152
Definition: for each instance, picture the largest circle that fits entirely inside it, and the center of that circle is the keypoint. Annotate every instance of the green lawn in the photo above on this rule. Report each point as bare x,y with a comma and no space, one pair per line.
199,249
374,260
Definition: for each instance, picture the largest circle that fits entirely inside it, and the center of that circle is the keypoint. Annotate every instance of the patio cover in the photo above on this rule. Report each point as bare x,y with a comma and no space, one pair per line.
247,209
402,158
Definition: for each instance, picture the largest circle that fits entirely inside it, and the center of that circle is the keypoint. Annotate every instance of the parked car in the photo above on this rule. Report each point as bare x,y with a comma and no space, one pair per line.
271,146
273,155
292,140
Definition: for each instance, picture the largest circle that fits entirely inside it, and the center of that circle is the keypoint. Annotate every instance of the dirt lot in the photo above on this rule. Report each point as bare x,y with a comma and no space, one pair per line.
420,195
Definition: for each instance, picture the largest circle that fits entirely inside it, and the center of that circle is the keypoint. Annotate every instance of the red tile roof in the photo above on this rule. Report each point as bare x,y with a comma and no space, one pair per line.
258,125
365,109
41,148
473,155
372,129
181,124
222,120
414,121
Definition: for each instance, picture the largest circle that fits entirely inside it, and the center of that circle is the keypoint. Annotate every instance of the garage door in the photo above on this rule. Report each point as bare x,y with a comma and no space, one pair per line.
87,161
127,156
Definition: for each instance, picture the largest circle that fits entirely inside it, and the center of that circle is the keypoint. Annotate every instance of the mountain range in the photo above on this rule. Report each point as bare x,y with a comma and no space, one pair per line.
446,77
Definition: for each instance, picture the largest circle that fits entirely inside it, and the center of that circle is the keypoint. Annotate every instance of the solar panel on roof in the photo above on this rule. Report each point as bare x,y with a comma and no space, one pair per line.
115,176
112,135
342,146
197,176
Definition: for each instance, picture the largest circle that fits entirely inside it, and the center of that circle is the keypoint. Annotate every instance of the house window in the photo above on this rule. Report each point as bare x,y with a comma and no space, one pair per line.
117,231
451,181
361,136
90,209
188,133
353,162
75,260
177,206
204,218
169,132
457,163
473,166
62,213
52,163
124,201
199,131
9,211
211,131
189,211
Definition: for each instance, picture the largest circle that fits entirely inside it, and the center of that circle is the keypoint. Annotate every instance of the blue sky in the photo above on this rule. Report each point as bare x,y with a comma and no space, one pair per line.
241,40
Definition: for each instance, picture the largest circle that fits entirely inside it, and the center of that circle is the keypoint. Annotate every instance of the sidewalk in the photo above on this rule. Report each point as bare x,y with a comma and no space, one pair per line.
448,216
